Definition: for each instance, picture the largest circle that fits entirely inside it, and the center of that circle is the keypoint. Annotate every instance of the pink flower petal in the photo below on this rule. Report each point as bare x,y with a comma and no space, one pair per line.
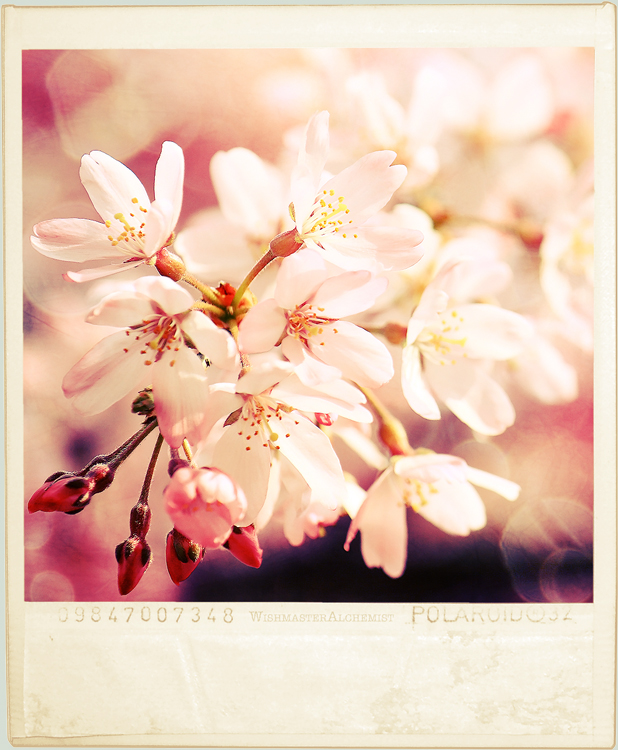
169,178
111,186
216,344
309,369
490,332
396,248
105,374
180,393
171,298
121,309
249,468
383,525
75,240
312,455
472,396
90,274
347,294
367,185
413,384
299,276
455,508
356,352
159,226
261,327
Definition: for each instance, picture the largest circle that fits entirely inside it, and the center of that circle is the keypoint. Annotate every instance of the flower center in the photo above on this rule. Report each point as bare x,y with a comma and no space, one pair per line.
157,336
255,422
303,323
441,346
329,214
132,231
415,493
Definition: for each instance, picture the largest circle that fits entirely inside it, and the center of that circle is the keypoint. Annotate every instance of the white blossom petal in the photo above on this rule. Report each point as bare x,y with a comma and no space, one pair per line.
299,276
169,179
248,468
356,352
106,374
75,240
383,525
415,391
347,294
262,327
180,392
312,455
111,186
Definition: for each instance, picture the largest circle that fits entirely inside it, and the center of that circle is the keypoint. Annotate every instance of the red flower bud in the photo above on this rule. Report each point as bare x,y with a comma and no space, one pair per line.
68,494
243,544
286,243
169,264
182,556
133,557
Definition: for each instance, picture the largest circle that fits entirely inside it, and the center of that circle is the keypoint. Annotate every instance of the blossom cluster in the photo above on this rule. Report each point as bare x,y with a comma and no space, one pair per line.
316,307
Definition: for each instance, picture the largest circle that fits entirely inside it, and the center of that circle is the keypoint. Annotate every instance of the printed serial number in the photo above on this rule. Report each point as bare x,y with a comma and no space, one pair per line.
145,614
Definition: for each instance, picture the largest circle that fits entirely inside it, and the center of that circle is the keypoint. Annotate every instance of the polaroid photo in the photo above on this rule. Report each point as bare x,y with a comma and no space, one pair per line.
310,359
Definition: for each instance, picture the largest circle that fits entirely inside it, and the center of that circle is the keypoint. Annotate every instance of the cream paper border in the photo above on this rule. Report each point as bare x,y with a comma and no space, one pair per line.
331,674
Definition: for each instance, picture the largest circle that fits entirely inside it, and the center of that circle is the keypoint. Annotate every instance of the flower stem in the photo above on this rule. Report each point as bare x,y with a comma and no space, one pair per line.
390,431
207,307
115,458
143,498
257,268
206,291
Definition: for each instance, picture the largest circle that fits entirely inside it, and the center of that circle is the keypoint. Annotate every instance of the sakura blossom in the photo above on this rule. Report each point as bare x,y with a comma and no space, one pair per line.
447,352
331,215
437,487
133,231
159,345
304,317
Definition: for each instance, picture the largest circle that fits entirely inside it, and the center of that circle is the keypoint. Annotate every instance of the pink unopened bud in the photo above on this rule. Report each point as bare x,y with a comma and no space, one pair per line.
68,494
169,264
204,504
133,557
286,243
325,419
243,544
182,556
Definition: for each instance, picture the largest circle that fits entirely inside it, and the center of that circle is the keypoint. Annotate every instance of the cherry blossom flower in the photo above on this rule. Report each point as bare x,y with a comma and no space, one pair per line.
204,504
330,217
133,231
263,422
449,350
159,346
304,318
437,487
253,200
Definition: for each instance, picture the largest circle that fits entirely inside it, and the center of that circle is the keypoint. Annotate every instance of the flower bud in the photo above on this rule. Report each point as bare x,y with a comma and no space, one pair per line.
68,494
395,333
133,557
143,403
204,504
182,556
286,243
170,265
243,544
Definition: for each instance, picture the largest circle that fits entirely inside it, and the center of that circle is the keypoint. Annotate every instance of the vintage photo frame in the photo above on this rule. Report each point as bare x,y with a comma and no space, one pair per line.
311,674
